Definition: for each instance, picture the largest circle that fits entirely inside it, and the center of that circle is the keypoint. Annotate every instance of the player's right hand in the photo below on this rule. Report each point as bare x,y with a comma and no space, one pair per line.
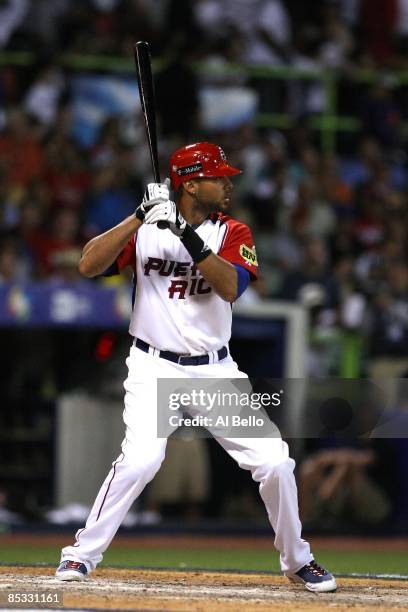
155,193
167,213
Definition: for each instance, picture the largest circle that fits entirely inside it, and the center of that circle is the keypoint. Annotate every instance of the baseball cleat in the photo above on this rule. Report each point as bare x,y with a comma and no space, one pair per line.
71,571
315,578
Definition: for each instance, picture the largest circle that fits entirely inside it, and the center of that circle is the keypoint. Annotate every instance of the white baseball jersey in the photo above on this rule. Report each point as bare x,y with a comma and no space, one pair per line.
175,309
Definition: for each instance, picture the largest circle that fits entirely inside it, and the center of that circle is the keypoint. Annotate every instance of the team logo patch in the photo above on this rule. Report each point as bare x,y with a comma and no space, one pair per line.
189,169
248,254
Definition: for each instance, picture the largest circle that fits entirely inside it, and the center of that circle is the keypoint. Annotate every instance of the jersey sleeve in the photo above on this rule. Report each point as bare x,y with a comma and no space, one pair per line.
127,257
238,247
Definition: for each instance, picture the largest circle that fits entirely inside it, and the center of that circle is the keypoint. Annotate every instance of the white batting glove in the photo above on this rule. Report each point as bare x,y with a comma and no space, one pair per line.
167,212
155,193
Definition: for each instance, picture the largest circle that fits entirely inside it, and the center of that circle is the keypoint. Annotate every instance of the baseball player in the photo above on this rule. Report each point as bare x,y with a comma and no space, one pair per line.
190,262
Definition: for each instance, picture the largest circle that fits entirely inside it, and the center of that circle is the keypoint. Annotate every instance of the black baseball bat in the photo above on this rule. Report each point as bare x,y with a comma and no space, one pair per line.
147,102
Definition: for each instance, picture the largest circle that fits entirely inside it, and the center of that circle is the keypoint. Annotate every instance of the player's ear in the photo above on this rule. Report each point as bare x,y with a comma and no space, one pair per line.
190,187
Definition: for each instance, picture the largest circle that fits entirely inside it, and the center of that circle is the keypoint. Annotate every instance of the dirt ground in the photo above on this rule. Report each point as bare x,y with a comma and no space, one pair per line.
142,590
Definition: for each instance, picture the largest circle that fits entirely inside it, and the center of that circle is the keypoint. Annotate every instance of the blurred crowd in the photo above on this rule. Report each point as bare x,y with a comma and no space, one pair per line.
330,225
330,32
330,228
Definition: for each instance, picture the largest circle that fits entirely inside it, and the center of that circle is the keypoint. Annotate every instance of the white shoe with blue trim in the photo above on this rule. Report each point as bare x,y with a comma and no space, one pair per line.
72,571
315,578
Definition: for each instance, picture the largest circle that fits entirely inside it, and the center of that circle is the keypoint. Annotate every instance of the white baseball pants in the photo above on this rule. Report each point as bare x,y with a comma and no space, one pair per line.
143,452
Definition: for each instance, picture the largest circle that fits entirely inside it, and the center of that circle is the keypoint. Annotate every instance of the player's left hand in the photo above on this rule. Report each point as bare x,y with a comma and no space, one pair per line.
167,211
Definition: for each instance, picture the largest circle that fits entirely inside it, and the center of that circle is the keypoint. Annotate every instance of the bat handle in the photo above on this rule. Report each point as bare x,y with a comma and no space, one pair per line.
160,224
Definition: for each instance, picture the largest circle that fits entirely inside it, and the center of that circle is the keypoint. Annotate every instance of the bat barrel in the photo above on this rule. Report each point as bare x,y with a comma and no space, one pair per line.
147,101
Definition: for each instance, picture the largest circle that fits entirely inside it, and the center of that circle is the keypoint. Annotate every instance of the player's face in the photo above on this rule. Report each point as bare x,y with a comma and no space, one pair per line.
214,194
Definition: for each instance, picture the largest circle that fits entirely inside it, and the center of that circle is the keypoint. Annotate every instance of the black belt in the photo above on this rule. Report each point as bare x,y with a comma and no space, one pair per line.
184,360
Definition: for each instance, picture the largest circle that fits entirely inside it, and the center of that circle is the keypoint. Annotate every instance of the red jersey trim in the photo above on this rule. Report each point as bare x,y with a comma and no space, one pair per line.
237,245
127,257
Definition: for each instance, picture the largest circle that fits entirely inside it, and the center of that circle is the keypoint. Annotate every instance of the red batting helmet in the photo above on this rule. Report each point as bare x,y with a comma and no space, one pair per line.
199,160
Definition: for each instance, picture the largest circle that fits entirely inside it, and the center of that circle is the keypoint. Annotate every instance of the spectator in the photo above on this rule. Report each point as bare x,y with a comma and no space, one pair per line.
30,228
378,23
138,20
109,144
306,96
338,40
353,303
11,266
66,176
184,27
43,97
349,11
372,265
268,187
380,114
262,26
401,33
358,170
313,284
43,24
313,214
12,13
20,149
339,485
369,227
65,265
334,187
389,326
305,163
303,13
265,27
110,199
7,517
63,236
